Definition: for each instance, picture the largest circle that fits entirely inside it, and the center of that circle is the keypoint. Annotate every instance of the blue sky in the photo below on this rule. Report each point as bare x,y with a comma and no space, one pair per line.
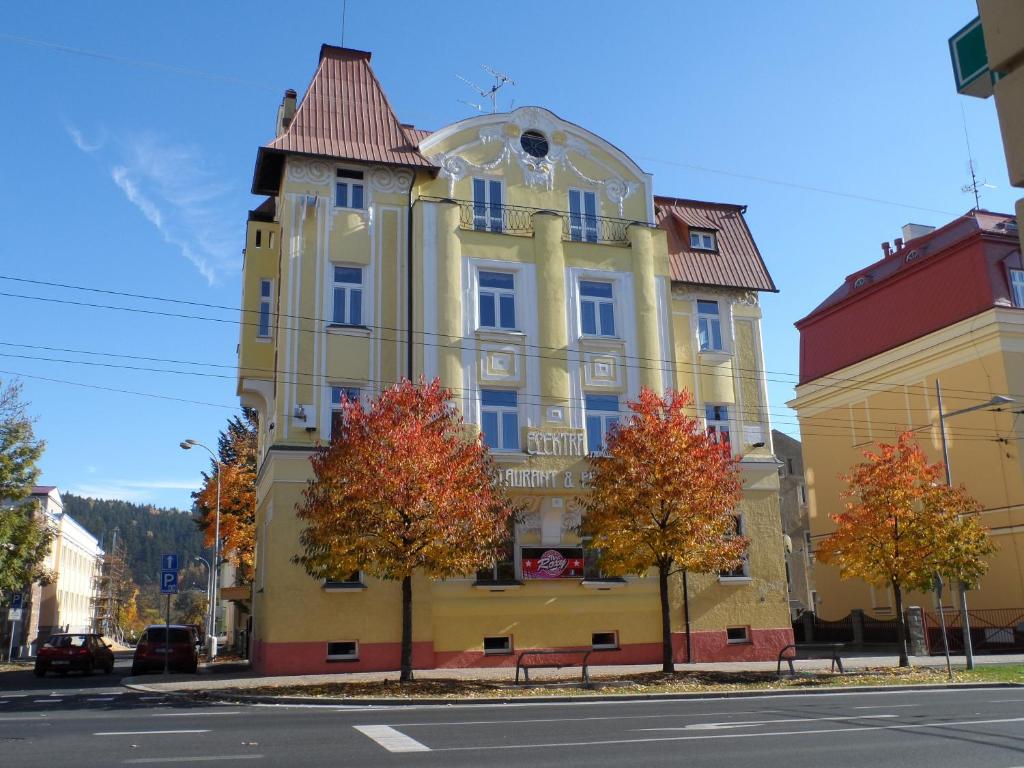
127,167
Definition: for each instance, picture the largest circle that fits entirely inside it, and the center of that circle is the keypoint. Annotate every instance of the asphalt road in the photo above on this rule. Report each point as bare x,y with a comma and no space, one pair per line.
67,725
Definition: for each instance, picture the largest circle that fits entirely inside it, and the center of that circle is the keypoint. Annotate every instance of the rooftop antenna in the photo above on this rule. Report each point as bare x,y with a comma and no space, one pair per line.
344,8
976,184
500,79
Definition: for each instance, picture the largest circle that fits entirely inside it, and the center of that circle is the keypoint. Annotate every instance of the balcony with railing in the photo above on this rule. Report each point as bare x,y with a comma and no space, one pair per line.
518,220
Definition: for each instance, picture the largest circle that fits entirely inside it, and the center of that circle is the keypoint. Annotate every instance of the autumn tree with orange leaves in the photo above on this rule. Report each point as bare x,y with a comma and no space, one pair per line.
663,496
902,525
236,449
400,488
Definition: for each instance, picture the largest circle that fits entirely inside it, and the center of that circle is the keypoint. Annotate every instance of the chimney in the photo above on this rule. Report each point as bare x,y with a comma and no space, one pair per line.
886,249
285,112
914,231
898,242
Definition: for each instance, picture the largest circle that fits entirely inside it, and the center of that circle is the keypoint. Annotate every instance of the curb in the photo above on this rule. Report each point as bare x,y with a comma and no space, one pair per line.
396,702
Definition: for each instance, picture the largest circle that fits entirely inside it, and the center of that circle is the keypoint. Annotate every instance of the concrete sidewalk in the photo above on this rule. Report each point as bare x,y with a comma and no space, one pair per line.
222,676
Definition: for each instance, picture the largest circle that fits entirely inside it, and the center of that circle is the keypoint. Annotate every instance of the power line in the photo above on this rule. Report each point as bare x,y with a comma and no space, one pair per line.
661,364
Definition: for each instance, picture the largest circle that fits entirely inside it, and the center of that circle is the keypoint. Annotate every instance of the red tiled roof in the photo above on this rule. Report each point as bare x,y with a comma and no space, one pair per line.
735,264
346,115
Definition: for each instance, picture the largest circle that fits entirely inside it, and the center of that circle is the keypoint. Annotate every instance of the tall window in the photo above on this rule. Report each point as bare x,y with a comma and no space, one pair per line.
582,216
497,300
602,415
597,308
266,299
702,240
709,326
348,189
743,569
337,414
499,417
1017,284
487,204
348,296
718,422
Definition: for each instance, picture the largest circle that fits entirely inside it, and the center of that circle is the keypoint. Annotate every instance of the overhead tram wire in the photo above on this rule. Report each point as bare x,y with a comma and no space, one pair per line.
529,398
661,363
775,415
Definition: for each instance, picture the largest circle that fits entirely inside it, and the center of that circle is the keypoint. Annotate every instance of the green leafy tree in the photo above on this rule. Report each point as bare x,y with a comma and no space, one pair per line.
24,542
19,448
190,608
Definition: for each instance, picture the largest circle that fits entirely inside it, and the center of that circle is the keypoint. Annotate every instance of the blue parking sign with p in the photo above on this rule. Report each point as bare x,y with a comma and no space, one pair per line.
168,582
169,562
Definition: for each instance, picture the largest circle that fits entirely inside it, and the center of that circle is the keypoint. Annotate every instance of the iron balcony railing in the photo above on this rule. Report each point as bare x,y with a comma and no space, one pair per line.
518,220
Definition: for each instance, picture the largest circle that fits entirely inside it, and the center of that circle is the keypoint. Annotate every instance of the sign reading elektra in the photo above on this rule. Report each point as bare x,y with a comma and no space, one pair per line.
554,443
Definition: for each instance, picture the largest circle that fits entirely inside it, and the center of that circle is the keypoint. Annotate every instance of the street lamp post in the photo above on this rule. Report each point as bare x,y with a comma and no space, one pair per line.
994,403
214,567
209,587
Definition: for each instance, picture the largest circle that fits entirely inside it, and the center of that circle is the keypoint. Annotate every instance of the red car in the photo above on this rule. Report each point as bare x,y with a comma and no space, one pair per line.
154,647
63,653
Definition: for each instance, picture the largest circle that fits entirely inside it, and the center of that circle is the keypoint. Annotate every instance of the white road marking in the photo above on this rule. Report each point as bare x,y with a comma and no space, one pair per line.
913,726
390,739
15,695
200,759
748,723
596,717
889,706
146,733
151,698
46,701
195,714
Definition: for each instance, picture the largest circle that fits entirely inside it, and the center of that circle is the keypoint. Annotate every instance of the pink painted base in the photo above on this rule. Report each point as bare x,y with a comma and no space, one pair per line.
308,658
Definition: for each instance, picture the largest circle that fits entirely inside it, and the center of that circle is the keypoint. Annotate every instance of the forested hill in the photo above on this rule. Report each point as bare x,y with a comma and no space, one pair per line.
147,531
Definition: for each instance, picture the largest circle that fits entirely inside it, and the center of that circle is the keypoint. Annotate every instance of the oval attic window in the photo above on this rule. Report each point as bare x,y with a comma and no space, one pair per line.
534,143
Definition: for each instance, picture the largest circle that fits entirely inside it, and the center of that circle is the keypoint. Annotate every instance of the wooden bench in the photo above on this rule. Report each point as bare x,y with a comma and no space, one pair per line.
811,651
542,663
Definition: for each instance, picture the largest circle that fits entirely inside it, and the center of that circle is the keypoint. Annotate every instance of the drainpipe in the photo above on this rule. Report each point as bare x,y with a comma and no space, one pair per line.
686,619
408,280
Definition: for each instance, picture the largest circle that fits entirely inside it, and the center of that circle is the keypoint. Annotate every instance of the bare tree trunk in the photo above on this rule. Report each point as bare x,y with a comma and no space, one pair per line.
406,663
901,627
667,664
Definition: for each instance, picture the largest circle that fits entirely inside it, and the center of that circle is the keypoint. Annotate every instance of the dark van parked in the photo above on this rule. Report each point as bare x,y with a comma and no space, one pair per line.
154,647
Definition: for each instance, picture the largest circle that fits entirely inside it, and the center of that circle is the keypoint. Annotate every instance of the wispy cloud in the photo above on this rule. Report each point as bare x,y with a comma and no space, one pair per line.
131,490
187,204
81,142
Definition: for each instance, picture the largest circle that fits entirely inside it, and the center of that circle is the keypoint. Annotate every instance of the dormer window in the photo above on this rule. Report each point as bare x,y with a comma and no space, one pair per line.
703,240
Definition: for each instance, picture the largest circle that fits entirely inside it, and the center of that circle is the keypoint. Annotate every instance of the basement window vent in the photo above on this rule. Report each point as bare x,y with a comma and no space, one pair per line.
494,646
343,650
737,635
604,641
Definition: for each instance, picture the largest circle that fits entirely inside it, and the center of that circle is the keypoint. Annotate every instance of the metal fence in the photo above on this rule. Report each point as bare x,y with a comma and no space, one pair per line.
518,220
993,630
857,628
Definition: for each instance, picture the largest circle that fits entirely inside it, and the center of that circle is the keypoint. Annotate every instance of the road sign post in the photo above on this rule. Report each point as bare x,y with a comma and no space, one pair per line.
168,586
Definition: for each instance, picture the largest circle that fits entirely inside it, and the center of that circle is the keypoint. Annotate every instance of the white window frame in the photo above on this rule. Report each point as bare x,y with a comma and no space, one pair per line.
354,656
741,525
266,306
348,288
1017,287
507,651
614,646
608,419
598,302
345,585
585,227
350,185
745,640
333,406
502,411
706,239
487,213
711,321
497,294
718,424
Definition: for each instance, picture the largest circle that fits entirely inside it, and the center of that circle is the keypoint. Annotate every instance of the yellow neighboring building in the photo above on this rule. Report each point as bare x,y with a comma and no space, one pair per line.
525,262
943,306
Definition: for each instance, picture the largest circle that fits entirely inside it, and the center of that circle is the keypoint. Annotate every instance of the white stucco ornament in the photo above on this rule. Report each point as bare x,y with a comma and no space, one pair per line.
315,171
503,131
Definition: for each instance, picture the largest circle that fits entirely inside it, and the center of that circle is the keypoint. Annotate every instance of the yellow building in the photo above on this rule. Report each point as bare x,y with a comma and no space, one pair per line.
941,313
525,262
